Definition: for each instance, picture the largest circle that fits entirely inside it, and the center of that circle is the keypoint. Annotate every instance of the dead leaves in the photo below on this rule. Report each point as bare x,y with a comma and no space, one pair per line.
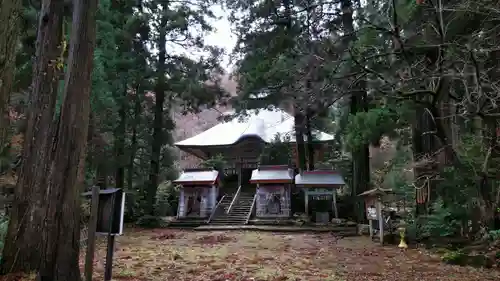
214,239
161,255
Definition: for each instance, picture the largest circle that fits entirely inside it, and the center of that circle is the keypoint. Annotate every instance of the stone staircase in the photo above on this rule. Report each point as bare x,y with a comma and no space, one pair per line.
239,211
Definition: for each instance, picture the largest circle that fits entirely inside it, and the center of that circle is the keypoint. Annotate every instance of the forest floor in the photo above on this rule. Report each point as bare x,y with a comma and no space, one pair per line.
182,255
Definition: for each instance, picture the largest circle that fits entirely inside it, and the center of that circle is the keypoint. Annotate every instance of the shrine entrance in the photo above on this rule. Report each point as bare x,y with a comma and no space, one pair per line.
193,204
321,207
246,174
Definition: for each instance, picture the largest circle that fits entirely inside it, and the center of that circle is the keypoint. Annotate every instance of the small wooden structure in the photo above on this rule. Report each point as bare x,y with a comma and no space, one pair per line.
273,191
198,193
107,212
320,186
374,210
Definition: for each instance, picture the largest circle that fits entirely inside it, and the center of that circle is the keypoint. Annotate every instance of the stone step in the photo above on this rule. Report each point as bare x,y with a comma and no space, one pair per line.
227,224
239,211
230,216
234,214
187,222
229,220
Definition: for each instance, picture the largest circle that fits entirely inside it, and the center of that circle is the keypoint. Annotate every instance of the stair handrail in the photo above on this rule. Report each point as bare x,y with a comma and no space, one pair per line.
235,199
251,208
215,209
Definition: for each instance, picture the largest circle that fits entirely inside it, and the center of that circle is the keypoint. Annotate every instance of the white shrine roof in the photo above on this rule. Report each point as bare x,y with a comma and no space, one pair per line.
269,174
264,124
198,176
319,178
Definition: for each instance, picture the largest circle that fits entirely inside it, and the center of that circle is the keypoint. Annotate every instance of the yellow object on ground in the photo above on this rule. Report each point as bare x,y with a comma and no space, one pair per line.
402,243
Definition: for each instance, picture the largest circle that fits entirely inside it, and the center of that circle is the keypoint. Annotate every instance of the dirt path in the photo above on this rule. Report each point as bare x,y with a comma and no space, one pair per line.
202,256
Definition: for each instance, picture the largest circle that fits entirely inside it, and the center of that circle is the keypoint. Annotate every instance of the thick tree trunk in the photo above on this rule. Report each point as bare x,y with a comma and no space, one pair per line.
62,236
23,243
361,161
157,136
424,146
359,103
10,15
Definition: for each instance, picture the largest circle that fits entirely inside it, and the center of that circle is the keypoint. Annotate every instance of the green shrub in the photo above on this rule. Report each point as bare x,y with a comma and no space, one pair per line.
148,221
442,222
454,257
167,199
494,235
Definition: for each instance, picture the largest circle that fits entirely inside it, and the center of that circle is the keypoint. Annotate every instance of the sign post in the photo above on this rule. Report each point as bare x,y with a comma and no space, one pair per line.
109,213
374,208
91,232
108,271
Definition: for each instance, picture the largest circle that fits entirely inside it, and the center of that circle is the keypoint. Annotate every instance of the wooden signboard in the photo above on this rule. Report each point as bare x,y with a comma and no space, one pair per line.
110,213
371,208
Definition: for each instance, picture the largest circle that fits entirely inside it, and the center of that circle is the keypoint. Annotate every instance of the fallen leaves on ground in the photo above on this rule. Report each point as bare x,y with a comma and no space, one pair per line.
181,255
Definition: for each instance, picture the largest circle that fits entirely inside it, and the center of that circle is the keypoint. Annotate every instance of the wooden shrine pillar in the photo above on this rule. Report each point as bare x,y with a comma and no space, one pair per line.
335,210
239,171
306,198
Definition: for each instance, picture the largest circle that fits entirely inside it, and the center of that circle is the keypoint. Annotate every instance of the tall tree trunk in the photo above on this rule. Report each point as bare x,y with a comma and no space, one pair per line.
66,176
299,139
157,136
100,157
120,142
423,144
310,143
133,151
10,15
359,103
299,118
23,243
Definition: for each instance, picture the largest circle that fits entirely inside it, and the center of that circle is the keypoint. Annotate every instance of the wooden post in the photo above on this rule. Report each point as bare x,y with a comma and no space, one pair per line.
239,171
306,195
371,228
335,211
108,270
91,234
380,221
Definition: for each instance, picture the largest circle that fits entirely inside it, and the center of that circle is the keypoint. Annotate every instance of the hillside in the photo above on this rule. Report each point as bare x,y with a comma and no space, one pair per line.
192,124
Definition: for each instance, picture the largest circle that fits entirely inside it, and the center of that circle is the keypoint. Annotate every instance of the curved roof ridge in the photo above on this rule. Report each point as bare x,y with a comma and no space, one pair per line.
262,123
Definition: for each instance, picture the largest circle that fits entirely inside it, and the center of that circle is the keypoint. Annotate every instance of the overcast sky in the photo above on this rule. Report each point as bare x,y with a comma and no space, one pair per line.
222,36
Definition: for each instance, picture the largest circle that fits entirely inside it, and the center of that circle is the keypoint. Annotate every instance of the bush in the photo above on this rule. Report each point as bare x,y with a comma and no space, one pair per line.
149,221
442,222
494,235
167,200
455,257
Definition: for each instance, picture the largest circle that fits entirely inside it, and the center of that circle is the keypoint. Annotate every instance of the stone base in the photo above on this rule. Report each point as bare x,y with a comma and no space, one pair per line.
363,229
